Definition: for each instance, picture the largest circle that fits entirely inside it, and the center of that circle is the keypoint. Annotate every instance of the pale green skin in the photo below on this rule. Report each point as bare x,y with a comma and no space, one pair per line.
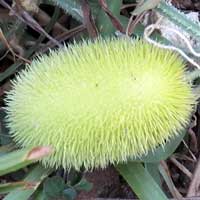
100,103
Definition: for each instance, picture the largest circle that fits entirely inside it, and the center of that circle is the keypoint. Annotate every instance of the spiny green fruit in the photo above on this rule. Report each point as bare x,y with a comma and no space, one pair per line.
100,102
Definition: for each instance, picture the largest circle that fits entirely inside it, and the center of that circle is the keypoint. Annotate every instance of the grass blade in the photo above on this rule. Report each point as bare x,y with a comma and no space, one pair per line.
36,176
141,181
162,153
9,187
18,159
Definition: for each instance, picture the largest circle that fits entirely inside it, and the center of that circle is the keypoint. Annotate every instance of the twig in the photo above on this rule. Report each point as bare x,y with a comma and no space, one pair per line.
88,20
183,157
192,134
44,19
4,15
190,152
195,183
175,193
64,36
132,24
27,19
181,167
3,39
5,42
116,23
130,5
4,55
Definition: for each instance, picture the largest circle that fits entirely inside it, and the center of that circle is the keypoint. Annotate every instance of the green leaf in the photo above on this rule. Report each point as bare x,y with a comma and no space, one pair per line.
53,187
103,22
5,138
36,176
141,181
39,195
18,159
6,149
8,187
83,185
70,194
169,182
147,5
73,177
72,7
162,153
153,171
